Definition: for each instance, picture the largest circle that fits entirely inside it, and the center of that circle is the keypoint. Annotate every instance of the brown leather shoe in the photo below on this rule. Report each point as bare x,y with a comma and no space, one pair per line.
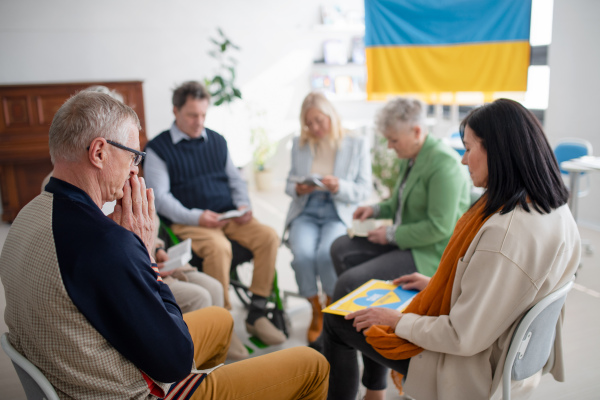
316,325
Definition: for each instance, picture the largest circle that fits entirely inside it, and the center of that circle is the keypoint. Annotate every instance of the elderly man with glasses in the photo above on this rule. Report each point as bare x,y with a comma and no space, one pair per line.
84,300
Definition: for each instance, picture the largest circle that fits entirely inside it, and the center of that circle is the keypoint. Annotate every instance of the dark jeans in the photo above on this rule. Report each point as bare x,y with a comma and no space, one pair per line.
356,261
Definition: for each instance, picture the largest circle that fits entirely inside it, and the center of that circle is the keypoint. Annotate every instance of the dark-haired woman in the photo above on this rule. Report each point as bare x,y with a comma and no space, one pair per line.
517,244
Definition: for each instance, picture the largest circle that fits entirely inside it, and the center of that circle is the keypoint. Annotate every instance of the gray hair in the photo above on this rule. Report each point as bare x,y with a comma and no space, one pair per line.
84,117
103,89
399,112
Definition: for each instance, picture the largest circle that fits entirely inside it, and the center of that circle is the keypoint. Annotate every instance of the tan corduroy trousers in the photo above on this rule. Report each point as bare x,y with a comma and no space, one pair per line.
296,373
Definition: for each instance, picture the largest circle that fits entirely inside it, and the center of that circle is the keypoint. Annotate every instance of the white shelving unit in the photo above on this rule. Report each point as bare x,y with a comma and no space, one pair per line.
342,82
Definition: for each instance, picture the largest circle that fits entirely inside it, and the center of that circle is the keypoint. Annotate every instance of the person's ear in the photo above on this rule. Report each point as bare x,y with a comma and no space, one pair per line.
97,152
175,111
418,132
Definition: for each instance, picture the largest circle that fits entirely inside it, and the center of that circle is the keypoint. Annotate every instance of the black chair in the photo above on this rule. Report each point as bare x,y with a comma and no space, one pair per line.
240,277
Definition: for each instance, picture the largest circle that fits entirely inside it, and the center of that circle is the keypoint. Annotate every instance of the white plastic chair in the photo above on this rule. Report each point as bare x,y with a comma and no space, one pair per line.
533,339
34,382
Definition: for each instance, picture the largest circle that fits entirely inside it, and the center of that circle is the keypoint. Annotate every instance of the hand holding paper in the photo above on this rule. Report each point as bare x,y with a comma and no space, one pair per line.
368,317
332,183
179,255
362,228
363,213
310,180
245,217
210,219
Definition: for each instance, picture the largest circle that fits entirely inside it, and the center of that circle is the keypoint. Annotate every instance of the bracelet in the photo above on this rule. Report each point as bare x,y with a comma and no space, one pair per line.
159,248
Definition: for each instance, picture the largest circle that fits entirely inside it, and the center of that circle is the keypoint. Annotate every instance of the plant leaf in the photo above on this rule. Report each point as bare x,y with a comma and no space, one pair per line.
218,79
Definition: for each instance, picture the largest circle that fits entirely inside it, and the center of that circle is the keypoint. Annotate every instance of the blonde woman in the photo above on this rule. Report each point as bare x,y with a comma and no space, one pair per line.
321,213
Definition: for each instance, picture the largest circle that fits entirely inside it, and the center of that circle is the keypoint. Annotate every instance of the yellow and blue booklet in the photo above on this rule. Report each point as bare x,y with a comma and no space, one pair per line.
374,293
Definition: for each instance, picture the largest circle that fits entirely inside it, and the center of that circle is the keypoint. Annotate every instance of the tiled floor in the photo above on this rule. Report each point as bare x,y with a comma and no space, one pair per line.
582,325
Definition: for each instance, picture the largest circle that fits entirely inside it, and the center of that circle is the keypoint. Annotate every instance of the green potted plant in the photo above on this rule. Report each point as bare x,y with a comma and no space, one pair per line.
263,149
385,166
222,86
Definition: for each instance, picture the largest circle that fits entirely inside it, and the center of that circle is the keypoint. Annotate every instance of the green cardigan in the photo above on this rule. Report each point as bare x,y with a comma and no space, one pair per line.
436,194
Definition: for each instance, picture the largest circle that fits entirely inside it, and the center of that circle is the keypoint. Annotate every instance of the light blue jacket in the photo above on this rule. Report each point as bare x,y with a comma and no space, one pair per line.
352,167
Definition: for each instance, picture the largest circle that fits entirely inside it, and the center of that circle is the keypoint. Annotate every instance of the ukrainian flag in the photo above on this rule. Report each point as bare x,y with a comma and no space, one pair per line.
434,46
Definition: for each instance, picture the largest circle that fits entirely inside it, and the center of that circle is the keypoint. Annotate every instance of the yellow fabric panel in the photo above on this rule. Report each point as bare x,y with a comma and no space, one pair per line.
489,67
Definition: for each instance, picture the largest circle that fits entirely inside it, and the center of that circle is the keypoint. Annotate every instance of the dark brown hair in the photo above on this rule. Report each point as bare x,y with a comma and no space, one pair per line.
192,89
521,164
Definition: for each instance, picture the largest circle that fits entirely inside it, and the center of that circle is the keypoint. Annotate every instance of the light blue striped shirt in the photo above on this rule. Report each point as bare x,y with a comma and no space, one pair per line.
157,178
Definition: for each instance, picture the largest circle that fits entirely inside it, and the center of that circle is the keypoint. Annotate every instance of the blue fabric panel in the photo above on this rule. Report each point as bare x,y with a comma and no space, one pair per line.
444,22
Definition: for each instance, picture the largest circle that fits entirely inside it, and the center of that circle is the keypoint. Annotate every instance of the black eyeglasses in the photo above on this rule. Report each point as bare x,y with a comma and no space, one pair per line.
139,155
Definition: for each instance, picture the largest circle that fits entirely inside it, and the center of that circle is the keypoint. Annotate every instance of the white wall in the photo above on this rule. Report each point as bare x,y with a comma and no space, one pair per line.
165,43
574,103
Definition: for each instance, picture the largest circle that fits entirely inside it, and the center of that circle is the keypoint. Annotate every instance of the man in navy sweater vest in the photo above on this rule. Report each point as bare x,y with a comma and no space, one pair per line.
194,180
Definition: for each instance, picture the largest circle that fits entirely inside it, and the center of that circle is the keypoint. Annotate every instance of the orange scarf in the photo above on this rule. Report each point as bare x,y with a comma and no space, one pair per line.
434,300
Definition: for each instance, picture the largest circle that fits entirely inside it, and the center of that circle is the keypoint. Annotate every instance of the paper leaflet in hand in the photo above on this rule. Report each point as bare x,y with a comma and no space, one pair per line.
233,214
374,293
311,180
362,228
179,255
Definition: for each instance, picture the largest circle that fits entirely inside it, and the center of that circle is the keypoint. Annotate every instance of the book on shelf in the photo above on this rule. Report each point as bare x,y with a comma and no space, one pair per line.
179,255
358,50
335,52
322,81
374,293
343,85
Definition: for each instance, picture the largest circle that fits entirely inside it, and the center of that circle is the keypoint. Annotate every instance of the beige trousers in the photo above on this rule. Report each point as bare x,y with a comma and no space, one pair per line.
296,373
212,245
194,290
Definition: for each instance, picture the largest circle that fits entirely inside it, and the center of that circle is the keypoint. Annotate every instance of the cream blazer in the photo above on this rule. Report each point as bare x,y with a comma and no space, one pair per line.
514,260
